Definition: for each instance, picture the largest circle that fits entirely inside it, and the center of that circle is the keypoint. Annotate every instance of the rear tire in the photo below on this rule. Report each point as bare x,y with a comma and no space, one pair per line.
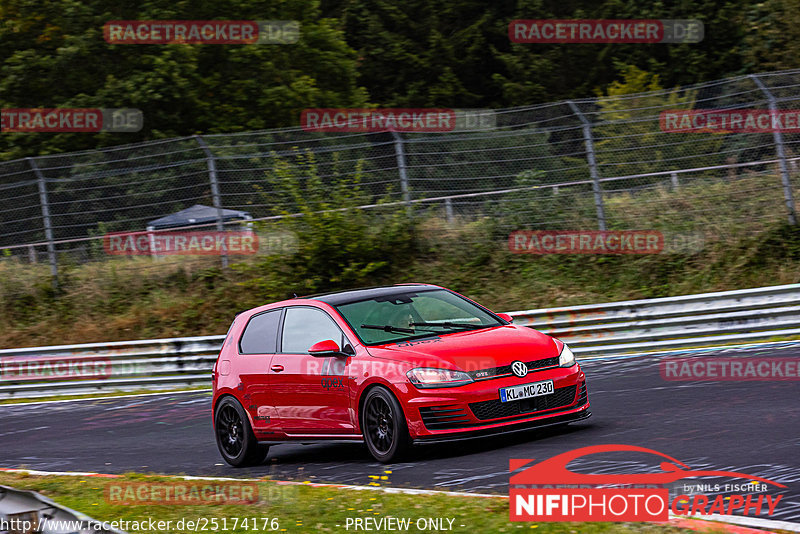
384,426
235,438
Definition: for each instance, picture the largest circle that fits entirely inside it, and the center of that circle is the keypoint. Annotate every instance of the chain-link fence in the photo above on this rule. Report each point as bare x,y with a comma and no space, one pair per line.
601,163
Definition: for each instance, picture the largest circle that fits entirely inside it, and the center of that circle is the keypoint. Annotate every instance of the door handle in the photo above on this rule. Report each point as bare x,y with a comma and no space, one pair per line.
277,368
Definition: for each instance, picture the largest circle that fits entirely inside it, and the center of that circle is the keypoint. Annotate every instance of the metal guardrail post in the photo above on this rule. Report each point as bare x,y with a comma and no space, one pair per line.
448,210
589,141
215,197
778,137
48,225
400,155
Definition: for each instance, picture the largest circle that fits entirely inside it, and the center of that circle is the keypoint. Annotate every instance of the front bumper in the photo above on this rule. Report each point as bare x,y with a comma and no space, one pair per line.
443,414
542,422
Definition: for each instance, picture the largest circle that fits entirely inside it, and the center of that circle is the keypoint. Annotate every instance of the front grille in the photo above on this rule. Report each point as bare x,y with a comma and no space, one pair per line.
494,409
443,417
535,365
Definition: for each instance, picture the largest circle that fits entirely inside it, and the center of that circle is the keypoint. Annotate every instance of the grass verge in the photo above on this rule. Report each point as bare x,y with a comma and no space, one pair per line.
741,243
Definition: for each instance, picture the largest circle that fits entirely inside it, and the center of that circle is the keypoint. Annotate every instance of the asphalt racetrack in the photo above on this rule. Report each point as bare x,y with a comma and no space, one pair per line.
749,427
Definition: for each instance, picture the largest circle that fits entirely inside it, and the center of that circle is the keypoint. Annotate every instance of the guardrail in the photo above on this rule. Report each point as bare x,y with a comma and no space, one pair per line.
708,319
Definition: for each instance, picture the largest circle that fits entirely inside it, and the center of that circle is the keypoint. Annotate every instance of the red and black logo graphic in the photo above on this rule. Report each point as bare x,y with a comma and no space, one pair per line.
333,371
543,496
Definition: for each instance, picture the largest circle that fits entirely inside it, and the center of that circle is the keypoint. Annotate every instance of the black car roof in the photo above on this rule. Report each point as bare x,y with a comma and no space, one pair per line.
355,295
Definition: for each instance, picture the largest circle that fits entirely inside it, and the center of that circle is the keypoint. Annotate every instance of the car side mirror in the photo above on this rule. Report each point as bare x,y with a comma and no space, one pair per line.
506,317
324,349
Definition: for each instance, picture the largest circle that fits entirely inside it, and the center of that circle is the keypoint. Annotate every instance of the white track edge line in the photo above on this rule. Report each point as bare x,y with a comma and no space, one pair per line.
33,403
763,344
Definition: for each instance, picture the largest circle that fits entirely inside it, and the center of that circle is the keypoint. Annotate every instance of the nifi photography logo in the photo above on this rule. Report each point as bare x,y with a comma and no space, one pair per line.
549,491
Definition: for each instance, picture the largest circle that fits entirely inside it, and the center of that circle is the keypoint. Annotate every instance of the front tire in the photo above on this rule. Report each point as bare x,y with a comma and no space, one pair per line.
384,425
235,438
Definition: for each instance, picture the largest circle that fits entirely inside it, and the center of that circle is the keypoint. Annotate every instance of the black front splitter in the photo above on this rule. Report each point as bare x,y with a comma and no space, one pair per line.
520,427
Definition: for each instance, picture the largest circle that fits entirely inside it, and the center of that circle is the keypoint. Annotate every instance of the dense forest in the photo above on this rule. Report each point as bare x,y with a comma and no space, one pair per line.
416,53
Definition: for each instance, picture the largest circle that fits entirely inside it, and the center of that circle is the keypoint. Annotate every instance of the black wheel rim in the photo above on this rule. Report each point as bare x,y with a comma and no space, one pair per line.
380,424
230,431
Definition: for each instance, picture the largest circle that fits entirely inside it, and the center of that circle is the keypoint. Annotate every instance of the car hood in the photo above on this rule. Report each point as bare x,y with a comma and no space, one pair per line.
473,350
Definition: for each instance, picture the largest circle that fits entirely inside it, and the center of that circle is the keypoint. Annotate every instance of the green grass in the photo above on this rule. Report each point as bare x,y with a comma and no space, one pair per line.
100,302
745,244
303,508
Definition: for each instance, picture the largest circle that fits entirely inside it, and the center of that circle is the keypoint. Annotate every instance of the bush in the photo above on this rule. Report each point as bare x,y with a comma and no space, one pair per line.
337,244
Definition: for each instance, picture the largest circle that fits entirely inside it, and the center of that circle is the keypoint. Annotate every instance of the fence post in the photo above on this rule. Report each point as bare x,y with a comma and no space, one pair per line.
589,141
400,155
215,197
448,210
48,225
778,137
673,176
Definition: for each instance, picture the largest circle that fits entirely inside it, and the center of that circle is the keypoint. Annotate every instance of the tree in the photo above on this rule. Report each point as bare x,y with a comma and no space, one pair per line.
629,139
773,35
54,55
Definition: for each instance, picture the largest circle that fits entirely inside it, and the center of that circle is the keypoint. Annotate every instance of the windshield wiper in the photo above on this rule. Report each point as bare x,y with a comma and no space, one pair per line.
398,329
452,325
389,328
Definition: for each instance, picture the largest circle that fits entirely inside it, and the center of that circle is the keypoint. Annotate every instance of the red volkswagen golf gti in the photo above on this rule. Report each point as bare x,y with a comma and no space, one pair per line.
390,366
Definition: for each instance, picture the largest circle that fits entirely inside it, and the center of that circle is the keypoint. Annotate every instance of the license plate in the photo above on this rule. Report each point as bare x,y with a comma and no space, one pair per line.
526,391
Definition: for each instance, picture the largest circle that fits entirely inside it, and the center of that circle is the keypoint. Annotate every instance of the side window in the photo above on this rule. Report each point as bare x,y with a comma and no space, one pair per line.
261,334
302,327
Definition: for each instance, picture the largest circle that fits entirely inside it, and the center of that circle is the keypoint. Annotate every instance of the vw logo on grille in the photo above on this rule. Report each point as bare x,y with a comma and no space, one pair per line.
520,369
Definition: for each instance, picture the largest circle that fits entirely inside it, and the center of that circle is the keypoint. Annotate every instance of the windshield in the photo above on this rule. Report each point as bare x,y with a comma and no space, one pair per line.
414,314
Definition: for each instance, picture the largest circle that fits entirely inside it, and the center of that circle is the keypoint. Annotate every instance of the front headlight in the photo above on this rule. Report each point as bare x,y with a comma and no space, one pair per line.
428,377
566,358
